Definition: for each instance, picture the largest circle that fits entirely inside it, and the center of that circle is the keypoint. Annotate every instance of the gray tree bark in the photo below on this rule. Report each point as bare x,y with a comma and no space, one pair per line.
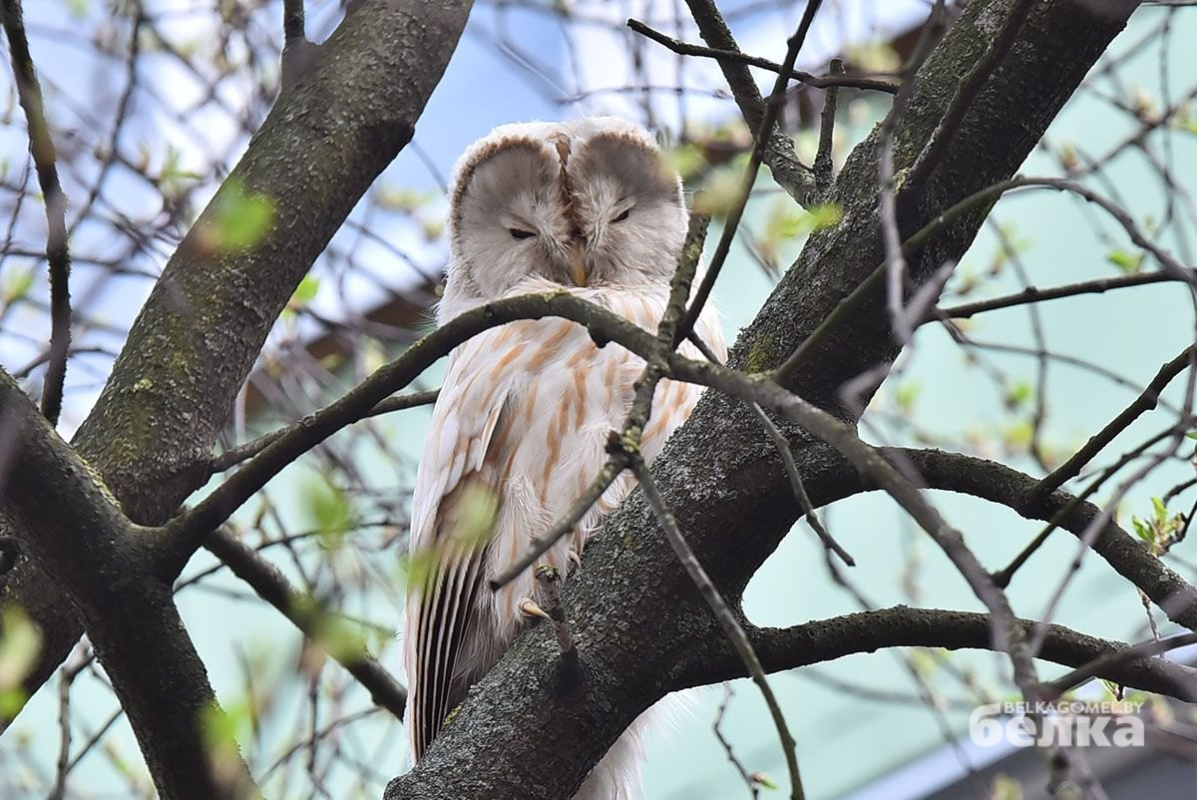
532,728
536,725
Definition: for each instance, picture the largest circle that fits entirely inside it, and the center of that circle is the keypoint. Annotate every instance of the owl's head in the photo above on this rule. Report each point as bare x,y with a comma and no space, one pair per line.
583,203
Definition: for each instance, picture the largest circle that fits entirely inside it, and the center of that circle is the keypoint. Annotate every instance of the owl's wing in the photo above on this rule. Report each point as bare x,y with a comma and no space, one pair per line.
454,509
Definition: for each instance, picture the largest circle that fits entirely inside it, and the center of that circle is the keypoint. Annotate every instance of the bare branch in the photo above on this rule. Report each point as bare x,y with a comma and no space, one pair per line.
831,81
1035,295
57,256
760,146
820,641
727,620
273,587
1143,403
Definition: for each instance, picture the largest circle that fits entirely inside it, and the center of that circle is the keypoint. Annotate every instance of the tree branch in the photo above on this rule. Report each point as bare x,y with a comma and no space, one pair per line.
1033,294
79,538
29,92
1143,403
901,626
183,535
1000,484
737,506
732,630
760,149
777,149
273,587
834,79
171,390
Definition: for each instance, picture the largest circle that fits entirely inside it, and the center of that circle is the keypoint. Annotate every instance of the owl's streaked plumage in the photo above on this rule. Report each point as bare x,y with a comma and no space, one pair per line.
521,423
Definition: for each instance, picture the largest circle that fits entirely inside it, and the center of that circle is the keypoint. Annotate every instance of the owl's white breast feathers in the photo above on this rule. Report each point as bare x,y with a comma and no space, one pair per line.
517,435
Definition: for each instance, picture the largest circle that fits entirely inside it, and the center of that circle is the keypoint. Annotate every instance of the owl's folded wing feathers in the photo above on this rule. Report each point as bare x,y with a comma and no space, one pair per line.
456,503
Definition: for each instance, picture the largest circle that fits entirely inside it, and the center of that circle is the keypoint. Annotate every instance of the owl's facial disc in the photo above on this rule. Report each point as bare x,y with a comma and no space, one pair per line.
626,203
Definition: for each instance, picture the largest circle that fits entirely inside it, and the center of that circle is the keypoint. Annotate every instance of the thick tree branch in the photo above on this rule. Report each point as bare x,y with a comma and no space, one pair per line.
998,483
901,626
171,390
736,505
79,537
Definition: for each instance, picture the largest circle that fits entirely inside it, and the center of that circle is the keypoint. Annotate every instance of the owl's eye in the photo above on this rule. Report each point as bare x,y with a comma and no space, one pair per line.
622,216
516,233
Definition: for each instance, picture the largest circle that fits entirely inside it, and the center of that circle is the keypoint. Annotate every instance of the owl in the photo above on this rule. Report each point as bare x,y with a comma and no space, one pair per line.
519,430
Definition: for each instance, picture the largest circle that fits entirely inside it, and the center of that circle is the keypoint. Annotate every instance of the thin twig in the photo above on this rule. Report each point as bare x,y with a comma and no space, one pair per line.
57,255
791,467
749,780
979,199
272,586
779,155
1003,576
727,619
1103,664
242,452
756,158
804,503
1033,294
833,80
824,165
539,545
1141,404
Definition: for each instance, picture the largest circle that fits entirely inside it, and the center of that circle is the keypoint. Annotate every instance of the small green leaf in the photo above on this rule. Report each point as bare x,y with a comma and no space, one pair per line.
906,395
236,219
17,284
173,180
764,781
1161,511
1006,788
1129,263
1018,395
329,509
20,644
306,291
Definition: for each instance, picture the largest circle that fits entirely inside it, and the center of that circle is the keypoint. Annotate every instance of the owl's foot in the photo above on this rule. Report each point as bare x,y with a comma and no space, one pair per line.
548,588
574,558
528,608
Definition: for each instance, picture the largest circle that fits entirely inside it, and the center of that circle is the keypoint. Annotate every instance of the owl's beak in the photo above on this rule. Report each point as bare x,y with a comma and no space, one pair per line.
577,266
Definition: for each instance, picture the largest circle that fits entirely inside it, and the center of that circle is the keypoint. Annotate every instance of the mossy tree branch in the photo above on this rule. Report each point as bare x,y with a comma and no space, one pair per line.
719,473
192,346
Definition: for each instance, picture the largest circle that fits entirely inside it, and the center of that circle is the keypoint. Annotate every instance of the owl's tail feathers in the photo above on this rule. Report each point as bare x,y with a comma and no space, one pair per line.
618,775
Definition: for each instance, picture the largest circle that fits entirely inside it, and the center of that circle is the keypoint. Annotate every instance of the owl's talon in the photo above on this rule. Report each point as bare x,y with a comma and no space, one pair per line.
528,608
574,558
